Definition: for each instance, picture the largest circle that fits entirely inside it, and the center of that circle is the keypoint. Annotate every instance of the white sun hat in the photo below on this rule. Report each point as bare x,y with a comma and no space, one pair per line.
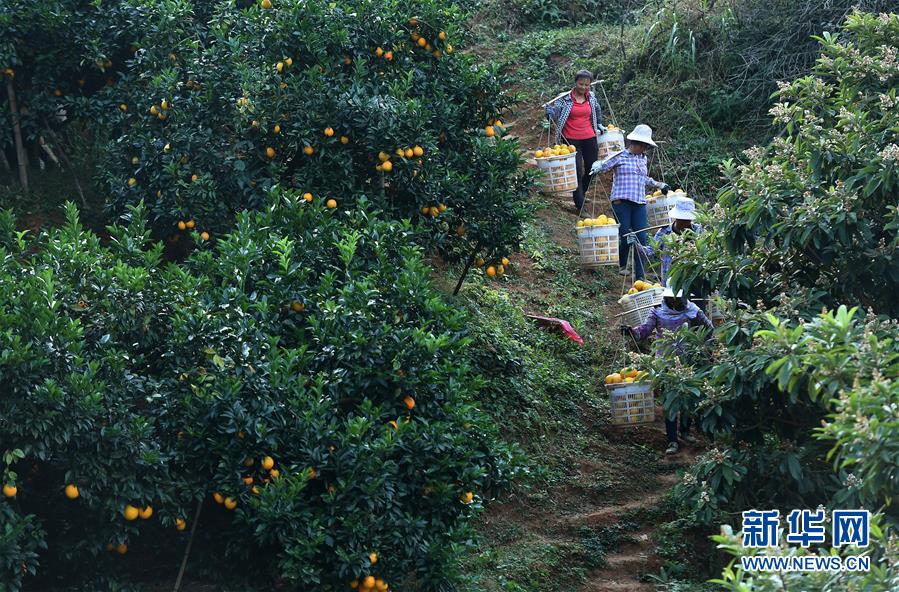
642,133
684,209
669,292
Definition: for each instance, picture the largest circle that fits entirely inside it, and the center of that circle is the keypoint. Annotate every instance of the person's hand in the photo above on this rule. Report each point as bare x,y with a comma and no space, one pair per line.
602,129
664,188
631,238
625,330
595,167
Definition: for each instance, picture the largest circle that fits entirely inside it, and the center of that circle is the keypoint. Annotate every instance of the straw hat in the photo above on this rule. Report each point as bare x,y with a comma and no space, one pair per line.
684,209
642,133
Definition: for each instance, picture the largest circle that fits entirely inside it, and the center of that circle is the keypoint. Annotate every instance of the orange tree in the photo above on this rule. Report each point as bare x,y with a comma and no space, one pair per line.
299,378
209,104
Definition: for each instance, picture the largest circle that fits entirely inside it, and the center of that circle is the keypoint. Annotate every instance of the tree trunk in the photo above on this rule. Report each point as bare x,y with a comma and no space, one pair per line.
471,259
17,132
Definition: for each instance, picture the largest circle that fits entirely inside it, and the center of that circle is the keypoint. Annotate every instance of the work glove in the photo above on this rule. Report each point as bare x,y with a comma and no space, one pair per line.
631,238
602,129
664,188
596,166
625,331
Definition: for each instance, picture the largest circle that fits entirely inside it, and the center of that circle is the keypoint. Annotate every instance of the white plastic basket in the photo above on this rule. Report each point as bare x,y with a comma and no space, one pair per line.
638,306
609,143
598,245
632,403
657,209
560,172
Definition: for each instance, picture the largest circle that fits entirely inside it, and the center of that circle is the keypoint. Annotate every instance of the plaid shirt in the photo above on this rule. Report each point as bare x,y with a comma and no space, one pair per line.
559,111
658,240
631,177
661,319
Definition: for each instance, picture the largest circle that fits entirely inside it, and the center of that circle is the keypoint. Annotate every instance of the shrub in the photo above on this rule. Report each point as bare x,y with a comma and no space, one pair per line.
802,402
308,335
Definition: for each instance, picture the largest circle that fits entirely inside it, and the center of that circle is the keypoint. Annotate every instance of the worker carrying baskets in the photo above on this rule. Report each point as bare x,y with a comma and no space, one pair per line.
578,119
628,194
674,312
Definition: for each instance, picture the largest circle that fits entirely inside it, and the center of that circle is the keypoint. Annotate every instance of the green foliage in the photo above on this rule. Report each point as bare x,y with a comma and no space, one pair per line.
883,576
802,402
154,385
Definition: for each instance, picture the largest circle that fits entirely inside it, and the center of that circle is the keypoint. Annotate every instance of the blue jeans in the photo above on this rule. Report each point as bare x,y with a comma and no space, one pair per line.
671,426
631,216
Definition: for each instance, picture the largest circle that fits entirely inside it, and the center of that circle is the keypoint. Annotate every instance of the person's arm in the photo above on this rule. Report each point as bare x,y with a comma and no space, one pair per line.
606,165
646,329
663,187
701,319
650,250
553,110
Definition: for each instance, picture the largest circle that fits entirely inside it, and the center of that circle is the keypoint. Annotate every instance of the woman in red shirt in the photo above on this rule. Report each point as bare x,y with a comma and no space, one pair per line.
578,119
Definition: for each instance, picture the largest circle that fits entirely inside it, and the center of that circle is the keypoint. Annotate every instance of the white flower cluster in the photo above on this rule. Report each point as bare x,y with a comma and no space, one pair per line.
889,155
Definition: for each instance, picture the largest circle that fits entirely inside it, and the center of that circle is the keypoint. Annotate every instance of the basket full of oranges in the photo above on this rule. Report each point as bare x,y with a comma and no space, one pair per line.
597,241
658,206
609,143
639,300
630,397
559,164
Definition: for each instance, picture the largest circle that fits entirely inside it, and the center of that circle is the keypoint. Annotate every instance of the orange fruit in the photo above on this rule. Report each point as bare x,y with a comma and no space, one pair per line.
505,261
410,402
132,182
164,104
409,152
434,211
500,269
418,151
180,524
441,35
268,463
307,196
266,4
373,557
479,262
441,207
422,42
368,582
383,156
230,503
449,48
460,230
308,150
248,462
387,166
467,497
123,108
146,513
277,129
379,52
218,497
193,178
329,132
72,491
425,210
491,271
131,513
295,307
331,203
388,56
270,152
248,480
121,548
289,61
190,224
10,490
380,585
204,235
344,140
275,473
489,131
